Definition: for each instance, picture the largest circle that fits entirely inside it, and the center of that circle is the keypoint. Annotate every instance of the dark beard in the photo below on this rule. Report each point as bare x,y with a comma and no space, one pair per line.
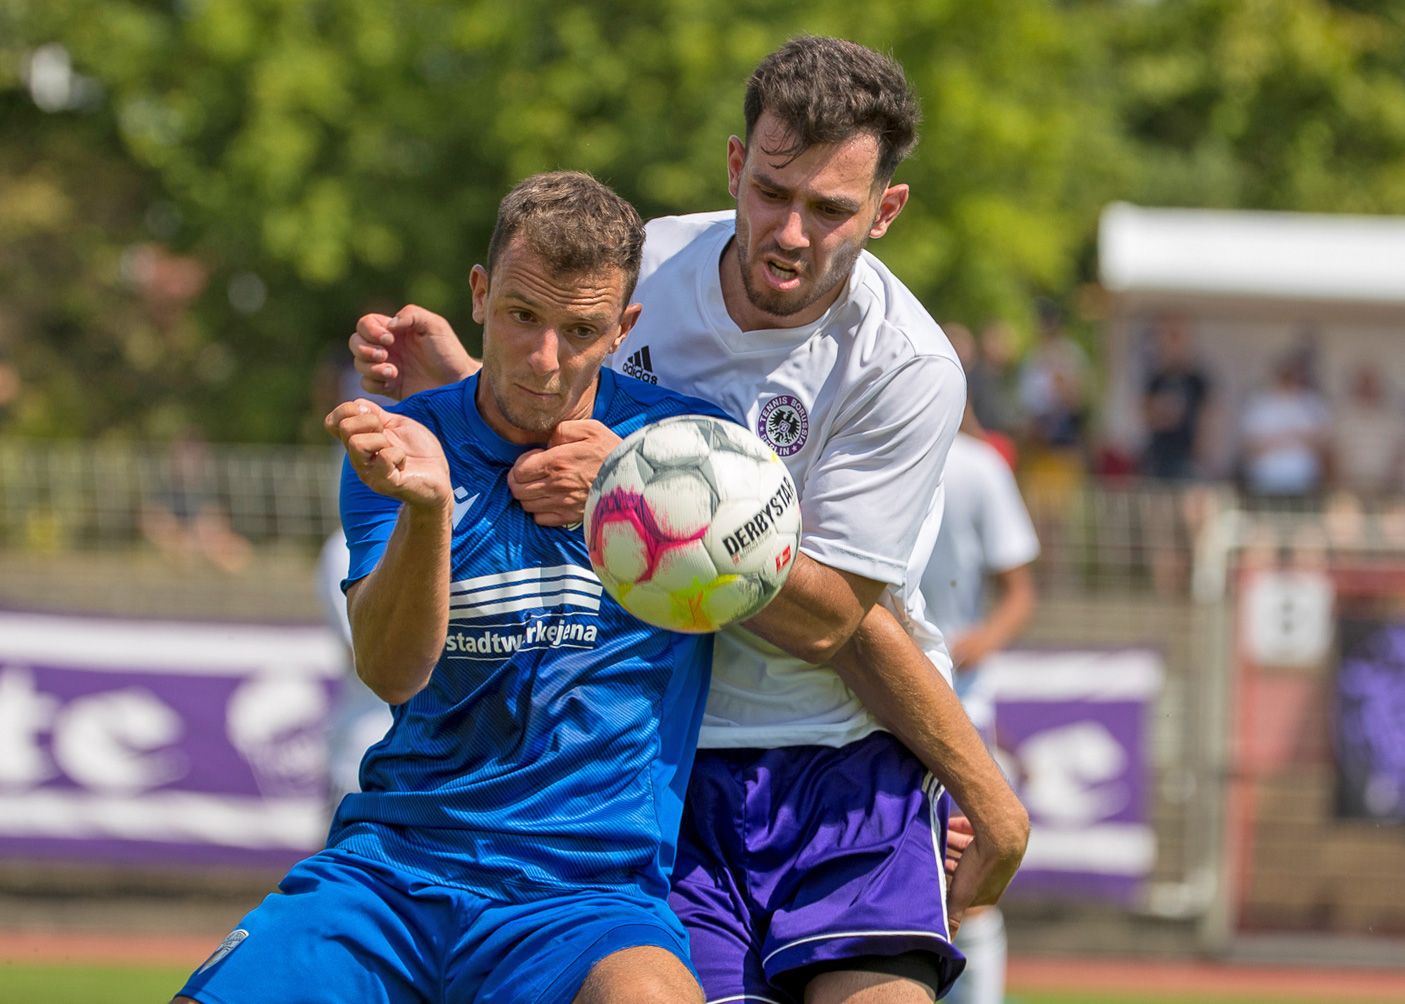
778,304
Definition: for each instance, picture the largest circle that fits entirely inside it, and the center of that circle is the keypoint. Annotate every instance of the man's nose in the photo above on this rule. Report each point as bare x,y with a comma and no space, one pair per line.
546,354
792,232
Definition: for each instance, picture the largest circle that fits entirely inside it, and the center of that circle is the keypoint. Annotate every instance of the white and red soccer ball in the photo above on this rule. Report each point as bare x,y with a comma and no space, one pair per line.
692,523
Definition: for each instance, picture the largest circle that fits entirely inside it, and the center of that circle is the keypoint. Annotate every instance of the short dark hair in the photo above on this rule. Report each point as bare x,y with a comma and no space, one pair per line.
825,90
575,224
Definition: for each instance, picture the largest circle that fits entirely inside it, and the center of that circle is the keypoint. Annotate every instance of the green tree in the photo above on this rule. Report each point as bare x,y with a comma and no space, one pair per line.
1265,104
323,157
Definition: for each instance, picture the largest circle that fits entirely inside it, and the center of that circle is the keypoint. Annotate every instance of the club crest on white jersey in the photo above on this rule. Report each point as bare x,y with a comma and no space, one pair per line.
784,424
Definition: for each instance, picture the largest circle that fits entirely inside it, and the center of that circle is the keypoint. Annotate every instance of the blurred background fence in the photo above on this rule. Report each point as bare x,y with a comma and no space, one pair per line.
181,530
1240,762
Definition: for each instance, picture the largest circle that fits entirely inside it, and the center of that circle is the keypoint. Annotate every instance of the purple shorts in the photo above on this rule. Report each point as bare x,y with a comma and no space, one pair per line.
797,857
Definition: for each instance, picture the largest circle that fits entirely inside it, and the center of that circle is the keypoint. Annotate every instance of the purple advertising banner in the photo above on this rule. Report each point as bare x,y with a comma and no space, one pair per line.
1369,725
163,741
1070,733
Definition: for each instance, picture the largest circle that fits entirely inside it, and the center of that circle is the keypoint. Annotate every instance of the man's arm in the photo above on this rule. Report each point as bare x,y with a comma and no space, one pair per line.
1013,606
895,680
816,612
413,351
399,613
825,615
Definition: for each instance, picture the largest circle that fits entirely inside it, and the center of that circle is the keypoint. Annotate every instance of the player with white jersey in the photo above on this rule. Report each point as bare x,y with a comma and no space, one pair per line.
986,539
854,403
810,858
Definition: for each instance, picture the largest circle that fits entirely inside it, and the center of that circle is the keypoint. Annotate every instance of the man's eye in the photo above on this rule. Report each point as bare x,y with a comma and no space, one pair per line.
520,316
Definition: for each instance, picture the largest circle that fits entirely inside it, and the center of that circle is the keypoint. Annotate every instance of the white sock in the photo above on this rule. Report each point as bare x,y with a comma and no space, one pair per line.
982,938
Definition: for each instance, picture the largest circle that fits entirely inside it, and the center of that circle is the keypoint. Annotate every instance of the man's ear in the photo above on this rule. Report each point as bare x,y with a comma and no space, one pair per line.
890,204
627,321
478,283
736,157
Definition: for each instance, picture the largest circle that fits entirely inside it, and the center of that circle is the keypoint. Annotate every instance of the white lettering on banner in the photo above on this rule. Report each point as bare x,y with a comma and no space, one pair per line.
277,722
1068,774
24,715
1072,729
168,816
1104,849
167,646
112,741
112,707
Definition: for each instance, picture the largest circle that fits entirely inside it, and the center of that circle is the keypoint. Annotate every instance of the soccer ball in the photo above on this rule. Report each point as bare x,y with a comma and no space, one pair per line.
692,523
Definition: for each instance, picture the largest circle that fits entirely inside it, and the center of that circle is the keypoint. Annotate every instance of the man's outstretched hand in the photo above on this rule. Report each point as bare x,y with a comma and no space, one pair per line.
413,351
392,454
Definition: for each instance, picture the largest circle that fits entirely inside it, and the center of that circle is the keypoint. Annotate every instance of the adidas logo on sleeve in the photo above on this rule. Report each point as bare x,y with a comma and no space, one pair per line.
640,366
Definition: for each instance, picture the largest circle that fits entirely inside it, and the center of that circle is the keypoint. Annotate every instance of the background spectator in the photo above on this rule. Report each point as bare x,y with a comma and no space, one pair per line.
1175,400
1285,433
1368,445
1053,395
185,518
992,387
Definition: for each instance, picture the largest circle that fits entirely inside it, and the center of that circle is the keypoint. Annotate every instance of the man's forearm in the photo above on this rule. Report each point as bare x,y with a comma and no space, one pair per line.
400,612
816,611
899,684
1012,609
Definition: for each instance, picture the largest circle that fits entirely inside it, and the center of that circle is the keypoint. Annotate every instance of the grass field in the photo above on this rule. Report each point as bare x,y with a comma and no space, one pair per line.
32,983
26,983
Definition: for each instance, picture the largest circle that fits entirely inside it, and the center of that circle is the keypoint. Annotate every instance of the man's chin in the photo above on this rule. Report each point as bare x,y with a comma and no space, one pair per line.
778,304
536,425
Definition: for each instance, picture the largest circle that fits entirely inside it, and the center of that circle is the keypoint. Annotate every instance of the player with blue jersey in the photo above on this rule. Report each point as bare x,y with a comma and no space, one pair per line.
546,697
516,826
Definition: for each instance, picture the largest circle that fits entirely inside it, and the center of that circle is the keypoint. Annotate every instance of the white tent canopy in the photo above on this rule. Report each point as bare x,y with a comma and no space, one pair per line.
1281,256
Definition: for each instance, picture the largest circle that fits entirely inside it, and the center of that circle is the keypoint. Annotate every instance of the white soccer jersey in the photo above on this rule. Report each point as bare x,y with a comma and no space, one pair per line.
861,405
985,528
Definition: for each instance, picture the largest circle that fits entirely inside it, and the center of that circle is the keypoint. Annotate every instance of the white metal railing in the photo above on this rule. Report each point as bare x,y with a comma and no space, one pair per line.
66,495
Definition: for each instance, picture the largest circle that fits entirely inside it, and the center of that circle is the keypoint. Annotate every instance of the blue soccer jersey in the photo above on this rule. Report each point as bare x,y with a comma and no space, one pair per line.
552,744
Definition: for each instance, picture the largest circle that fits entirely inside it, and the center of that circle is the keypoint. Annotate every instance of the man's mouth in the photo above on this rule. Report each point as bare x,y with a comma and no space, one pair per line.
782,273
541,394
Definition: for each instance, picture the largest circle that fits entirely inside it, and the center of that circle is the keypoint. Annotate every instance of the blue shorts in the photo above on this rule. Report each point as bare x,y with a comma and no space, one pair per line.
346,928
806,856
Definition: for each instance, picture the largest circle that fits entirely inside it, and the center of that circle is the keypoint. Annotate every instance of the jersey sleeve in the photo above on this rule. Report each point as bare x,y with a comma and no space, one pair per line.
368,519
1008,540
866,498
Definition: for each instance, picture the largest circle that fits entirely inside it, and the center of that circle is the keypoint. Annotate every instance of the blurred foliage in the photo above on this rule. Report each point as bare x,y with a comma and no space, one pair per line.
189,231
